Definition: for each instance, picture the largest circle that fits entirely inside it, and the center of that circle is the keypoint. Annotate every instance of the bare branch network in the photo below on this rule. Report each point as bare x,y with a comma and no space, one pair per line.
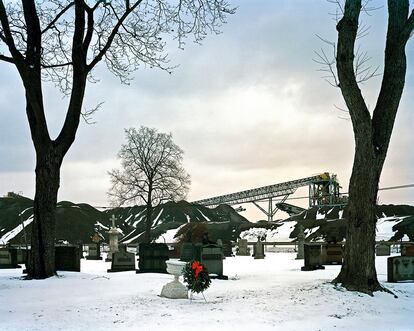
124,34
151,170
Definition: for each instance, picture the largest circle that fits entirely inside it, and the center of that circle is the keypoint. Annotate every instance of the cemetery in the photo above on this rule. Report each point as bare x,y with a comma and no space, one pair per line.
218,190
272,293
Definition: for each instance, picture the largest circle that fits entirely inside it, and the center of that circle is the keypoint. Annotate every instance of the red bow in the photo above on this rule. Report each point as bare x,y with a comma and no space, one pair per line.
198,267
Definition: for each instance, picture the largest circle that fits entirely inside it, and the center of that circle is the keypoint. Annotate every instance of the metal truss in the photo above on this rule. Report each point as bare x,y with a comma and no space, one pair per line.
259,194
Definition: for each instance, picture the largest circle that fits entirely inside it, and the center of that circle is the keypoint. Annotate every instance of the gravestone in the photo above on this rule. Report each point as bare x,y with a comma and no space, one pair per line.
407,250
258,250
113,239
383,249
212,258
94,252
8,258
243,248
190,252
332,254
400,268
67,258
152,258
301,242
22,255
313,257
122,260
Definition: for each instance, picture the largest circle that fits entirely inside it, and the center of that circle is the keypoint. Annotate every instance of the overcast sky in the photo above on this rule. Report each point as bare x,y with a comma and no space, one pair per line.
248,107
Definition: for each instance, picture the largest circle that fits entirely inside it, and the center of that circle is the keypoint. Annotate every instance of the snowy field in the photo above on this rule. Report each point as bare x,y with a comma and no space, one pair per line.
269,294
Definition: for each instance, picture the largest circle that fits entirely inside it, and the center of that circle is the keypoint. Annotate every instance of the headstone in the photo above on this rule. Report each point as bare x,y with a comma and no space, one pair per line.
8,258
313,257
400,268
190,252
94,252
22,255
122,260
67,258
258,250
243,248
407,250
383,249
113,239
301,242
332,254
212,258
152,258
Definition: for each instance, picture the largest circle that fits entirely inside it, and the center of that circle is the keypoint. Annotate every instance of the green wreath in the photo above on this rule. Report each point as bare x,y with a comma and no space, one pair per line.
196,276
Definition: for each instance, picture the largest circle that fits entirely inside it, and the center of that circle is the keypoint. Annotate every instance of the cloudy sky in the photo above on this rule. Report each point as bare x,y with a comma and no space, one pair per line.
248,107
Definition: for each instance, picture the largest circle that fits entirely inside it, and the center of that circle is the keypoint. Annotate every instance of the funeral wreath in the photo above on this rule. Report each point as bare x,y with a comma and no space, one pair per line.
196,276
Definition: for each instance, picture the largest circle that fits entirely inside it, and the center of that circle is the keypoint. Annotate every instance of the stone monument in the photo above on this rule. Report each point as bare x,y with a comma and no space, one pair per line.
174,289
122,260
212,258
243,248
258,250
8,258
332,254
407,249
313,257
382,249
400,268
113,239
94,250
67,258
301,242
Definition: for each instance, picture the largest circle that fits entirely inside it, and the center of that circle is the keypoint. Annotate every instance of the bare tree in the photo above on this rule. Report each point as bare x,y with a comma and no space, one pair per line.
63,41
372,133
151,172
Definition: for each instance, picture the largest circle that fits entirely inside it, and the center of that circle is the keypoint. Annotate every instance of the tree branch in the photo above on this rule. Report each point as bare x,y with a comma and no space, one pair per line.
347,32
7,37
6,59
52,23
111,37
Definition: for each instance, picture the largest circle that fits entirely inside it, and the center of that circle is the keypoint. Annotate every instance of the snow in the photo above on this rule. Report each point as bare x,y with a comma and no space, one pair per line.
128,218
269,294
188,218
131,239
101,225
14,232
207,219
139,220
155,223
384,227
320,216
168,237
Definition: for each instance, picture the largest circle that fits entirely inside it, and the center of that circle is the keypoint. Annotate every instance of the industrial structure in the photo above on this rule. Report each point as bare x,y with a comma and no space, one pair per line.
323,191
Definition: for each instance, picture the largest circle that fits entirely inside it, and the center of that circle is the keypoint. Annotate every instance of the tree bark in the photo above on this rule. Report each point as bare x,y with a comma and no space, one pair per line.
148,224
42,257
358,270
372,137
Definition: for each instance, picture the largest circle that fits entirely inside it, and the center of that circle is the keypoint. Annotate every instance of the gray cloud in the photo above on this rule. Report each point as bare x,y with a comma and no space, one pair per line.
248,107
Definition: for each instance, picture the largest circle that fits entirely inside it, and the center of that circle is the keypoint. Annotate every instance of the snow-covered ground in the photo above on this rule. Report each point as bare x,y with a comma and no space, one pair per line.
269,294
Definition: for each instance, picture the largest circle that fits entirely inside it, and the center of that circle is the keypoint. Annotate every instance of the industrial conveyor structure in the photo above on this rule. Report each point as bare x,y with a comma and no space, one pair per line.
323,190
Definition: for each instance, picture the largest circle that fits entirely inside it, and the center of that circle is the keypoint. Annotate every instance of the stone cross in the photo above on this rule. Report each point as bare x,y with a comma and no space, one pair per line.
113,219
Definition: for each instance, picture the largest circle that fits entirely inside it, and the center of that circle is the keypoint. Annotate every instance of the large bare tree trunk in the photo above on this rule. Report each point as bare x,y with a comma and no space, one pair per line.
358,270
42,257
372,136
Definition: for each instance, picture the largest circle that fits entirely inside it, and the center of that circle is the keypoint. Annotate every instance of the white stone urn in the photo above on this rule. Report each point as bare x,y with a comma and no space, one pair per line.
175,289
